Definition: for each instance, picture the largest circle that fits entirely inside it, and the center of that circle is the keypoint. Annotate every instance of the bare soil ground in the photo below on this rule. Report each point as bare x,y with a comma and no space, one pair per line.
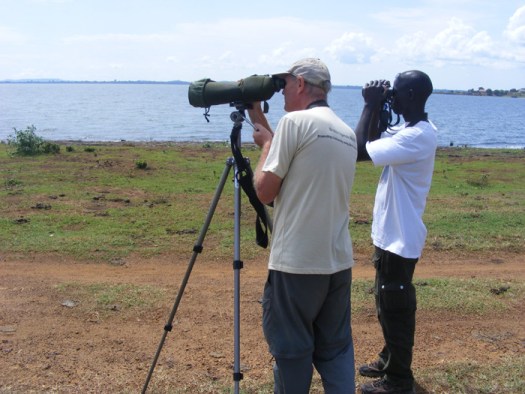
48,345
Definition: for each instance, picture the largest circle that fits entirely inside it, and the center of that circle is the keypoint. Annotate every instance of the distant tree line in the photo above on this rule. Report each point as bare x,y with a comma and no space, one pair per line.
487,92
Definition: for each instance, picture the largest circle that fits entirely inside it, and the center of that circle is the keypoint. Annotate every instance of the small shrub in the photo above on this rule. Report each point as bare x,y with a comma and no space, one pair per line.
89,149
49,147
70,149
12,183
481,182
25,142
141,164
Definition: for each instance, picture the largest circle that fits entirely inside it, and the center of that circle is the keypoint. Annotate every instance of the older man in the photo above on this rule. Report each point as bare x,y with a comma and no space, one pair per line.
306,169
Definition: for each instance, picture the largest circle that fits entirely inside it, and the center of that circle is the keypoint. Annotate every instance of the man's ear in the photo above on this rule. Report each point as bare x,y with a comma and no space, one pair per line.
301,83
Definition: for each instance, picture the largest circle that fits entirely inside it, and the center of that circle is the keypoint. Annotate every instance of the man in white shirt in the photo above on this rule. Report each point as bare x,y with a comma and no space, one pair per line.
398,233
306,169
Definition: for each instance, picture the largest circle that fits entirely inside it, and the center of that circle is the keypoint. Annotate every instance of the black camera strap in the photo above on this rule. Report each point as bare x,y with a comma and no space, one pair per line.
318,103
245,179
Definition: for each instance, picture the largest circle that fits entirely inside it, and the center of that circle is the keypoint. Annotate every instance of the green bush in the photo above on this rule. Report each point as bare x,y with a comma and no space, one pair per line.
49,147
141,164
27,143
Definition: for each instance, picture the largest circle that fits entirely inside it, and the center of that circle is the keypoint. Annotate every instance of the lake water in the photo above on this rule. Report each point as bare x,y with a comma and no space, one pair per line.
161,112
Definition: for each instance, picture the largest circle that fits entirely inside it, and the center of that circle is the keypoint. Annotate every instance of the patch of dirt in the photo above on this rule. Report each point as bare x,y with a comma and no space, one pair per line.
50,342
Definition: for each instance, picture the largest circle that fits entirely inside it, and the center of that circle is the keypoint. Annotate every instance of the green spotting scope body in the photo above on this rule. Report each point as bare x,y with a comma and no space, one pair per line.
205,92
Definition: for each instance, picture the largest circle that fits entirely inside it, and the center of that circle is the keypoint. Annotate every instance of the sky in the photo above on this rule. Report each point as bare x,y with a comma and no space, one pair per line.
461,44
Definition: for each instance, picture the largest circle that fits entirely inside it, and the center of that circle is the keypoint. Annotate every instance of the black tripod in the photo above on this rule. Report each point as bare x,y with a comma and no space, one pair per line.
242,178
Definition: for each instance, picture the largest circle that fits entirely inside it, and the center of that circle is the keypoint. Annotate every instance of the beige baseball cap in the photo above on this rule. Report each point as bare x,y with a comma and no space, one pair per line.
313,70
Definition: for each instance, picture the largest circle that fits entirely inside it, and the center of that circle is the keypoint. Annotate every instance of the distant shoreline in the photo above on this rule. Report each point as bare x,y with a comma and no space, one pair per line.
115,82
513,93
250,145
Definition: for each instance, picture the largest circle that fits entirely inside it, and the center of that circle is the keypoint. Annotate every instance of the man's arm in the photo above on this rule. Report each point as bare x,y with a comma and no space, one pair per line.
267,184
367,128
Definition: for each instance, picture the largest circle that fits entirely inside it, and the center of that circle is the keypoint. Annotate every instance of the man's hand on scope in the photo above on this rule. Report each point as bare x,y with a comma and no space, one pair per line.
261,135
257,116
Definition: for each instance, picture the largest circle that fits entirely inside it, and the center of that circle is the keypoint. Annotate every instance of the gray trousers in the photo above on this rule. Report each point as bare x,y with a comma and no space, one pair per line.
306,323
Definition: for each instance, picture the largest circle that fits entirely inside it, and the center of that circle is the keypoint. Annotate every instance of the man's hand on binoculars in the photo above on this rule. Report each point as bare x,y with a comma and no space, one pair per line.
374,91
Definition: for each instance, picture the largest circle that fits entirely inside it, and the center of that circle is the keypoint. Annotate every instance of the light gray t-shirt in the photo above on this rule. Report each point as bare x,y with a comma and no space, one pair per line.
314,152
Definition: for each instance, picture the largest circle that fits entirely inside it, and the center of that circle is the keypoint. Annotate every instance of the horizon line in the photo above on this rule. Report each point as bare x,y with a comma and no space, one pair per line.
180,82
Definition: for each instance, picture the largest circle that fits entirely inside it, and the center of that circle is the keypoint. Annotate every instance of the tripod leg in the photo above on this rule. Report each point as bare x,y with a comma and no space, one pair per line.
237,265
196,250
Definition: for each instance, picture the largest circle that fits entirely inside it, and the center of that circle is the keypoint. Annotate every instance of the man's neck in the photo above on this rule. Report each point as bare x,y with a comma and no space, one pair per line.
415,118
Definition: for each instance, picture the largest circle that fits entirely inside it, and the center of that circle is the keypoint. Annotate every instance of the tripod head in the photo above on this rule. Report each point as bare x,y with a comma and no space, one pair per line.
239,116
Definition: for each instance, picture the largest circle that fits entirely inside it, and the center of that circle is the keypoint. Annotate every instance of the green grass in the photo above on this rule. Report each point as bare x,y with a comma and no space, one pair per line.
477,201
506,376
108,207
105,298
439,296
97,206
473,377
470,296
101,206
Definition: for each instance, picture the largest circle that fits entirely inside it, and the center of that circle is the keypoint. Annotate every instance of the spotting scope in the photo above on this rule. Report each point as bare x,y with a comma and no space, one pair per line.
205,92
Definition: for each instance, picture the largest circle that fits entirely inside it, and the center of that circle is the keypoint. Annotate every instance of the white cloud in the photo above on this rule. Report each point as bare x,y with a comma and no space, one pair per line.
264,45
352,48
356,43
516,27
458,44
